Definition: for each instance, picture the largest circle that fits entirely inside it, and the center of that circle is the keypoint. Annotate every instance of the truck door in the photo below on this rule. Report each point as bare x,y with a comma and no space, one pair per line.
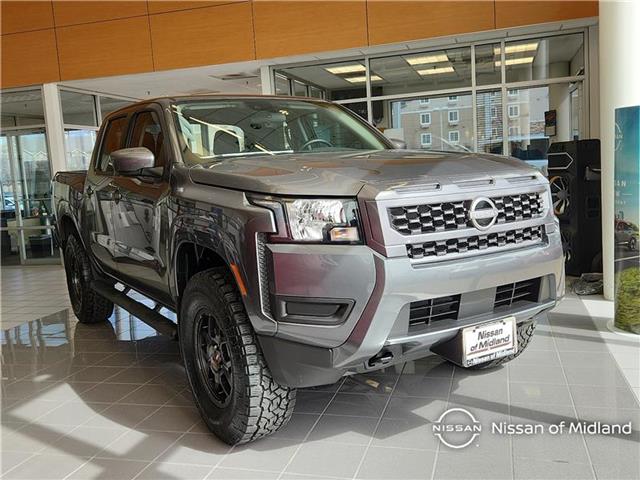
141,234
100,193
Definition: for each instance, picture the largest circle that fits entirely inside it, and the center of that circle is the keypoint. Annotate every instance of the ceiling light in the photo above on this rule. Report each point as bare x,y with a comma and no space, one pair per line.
523,47
427,59
357,67
435,71
515,61
363,78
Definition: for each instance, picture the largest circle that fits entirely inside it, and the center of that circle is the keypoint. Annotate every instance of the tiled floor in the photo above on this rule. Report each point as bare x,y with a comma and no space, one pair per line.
111,401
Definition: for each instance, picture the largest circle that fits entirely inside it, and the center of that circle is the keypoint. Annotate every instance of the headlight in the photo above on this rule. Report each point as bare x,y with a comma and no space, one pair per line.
313,220
323,220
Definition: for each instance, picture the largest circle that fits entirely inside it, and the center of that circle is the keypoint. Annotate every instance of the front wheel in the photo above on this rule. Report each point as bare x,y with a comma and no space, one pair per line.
525,334
233,388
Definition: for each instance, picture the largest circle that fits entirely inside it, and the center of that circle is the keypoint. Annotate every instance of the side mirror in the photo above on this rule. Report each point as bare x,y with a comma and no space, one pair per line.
129,161
398,144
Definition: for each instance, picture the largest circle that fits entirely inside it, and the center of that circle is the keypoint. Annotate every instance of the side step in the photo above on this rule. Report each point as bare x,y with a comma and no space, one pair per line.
147,315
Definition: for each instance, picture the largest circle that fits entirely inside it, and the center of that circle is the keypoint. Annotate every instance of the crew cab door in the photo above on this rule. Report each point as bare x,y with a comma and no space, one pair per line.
141,212
100,193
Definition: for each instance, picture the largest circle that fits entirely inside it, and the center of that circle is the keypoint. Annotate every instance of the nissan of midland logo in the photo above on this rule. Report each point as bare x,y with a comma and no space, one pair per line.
457,428
483,213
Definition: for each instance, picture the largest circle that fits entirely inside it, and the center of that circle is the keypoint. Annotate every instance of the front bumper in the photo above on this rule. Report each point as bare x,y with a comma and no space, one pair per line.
381,290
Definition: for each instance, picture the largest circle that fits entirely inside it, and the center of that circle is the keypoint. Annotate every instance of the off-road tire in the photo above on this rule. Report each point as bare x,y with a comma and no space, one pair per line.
525,334
88,305
257,406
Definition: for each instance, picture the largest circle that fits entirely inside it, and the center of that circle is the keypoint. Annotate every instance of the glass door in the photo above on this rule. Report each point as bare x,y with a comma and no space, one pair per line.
26,216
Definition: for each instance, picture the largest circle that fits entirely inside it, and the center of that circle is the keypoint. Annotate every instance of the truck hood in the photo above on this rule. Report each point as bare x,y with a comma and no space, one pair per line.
346,174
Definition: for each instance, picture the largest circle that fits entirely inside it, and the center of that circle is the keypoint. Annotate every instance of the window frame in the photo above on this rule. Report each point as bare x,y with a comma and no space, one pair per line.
516,106
159,117
425,124
457,115
426,144
454,142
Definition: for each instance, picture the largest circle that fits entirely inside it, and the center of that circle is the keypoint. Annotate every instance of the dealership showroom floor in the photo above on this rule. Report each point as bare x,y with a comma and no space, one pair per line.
111,401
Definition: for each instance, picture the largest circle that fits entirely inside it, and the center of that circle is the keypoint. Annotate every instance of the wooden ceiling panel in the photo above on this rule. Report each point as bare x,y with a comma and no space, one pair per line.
77,12
511,14
205,36
29,58
161,6
295,27
105,48
25,16
400,21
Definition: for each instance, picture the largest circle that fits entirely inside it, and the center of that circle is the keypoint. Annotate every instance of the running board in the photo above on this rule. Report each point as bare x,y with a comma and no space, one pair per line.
148,315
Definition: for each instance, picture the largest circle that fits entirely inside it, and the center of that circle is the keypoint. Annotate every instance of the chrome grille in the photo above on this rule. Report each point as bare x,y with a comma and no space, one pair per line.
437,217
507,295
453,246
426,311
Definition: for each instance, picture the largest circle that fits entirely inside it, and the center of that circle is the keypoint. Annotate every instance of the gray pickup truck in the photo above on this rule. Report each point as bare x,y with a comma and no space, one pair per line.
296,245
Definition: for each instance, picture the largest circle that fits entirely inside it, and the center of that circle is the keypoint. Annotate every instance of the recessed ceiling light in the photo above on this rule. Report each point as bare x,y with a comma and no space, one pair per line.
357,67
522,47
515,61
421,60
363,78
435,71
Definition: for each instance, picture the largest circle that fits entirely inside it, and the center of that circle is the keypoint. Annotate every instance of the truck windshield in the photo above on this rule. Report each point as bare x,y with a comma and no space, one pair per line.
212,129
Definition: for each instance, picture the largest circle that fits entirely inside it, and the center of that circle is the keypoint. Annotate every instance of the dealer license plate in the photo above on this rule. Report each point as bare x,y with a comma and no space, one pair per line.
486,342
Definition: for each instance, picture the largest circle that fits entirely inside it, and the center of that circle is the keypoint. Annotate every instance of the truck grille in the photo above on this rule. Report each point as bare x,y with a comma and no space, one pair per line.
507,295
437,217
453,246
426,311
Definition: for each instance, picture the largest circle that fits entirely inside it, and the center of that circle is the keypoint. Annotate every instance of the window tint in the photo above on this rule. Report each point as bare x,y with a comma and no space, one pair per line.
112,141
148,133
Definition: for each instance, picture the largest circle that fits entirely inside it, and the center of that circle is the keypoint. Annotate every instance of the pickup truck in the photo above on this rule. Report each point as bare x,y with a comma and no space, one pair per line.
296,244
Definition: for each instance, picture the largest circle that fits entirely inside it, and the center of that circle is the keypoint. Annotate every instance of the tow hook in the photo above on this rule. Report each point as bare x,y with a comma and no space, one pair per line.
382,358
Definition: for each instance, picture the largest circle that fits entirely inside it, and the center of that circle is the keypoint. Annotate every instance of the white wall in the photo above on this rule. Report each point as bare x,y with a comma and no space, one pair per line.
619,87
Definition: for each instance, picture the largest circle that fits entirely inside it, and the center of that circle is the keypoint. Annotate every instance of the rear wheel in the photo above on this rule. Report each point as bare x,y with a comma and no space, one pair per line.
88,305
525,334
233,388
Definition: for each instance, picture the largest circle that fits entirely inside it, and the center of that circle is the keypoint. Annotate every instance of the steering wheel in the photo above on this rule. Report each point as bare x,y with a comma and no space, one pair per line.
315,140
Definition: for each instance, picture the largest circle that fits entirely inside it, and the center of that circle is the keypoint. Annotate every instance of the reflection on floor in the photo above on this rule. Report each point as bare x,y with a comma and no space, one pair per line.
111,401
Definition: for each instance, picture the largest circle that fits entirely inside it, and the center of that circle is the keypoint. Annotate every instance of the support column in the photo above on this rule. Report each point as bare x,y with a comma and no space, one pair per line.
55,129
619,87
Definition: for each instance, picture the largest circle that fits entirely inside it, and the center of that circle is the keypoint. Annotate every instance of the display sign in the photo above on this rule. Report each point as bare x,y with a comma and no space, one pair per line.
627,219
486,342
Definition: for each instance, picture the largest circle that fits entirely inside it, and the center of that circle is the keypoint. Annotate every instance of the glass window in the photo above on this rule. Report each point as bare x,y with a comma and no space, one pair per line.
425,119
514,111
340,81
489,118
299,89
454,136
244,127
403,120
282,85
488,70
108,105
78,108
439,70
112,141
453,98
453,116
528,138
315,92
424,101
550,57
147,133
79,146
22,108
425,139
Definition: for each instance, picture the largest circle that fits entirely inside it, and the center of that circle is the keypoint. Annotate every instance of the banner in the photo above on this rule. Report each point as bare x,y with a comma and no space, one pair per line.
627,219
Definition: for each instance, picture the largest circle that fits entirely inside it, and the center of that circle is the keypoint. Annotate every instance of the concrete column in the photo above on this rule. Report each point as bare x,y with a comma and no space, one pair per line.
619,87
55,129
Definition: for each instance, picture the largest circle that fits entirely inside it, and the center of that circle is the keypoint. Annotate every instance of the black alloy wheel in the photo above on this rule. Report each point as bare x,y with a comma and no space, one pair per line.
215,366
